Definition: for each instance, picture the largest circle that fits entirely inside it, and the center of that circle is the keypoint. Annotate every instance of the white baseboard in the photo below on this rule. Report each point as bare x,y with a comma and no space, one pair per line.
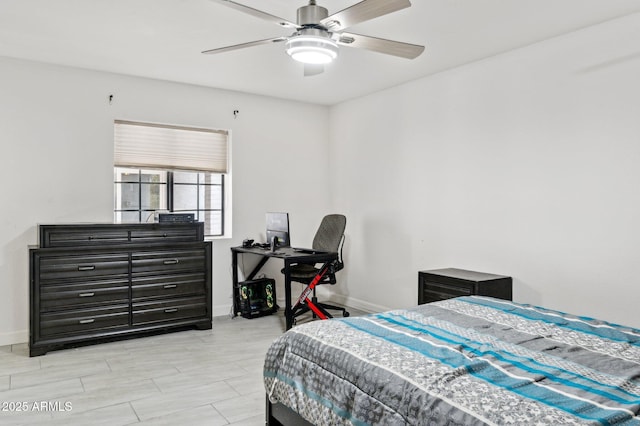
359,304
351,302
14,337
222,310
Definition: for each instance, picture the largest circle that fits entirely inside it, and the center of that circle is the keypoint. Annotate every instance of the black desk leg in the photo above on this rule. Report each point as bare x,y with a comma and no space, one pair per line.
288,313
234,267
255,271
234,264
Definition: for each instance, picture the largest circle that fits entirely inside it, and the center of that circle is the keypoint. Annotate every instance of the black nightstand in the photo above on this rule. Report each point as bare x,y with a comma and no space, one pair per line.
441,284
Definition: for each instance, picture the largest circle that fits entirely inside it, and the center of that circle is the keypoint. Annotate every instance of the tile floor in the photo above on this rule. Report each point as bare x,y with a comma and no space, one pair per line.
211,377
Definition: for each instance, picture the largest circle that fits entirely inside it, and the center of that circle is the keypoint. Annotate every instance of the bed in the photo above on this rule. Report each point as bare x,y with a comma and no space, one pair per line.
464,361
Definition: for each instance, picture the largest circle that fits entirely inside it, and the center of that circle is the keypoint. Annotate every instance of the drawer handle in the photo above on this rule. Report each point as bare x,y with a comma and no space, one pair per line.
171,262
170,311
168,286
87,321
86,268
86,294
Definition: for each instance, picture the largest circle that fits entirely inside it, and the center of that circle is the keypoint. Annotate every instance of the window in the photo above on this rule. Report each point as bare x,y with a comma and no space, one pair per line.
170,169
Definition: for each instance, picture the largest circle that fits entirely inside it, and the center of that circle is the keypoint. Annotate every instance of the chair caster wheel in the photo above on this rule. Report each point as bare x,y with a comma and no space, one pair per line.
345,314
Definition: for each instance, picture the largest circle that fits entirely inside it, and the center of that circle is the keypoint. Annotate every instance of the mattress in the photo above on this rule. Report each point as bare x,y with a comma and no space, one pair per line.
463,361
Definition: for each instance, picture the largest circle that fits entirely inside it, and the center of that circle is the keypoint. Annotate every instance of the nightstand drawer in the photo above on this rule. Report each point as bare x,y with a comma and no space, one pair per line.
72,267
169,261
93,293
84,320
169,310
168,286
440,291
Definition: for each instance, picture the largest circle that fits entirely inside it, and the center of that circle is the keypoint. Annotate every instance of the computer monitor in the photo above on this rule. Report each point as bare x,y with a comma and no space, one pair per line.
278,226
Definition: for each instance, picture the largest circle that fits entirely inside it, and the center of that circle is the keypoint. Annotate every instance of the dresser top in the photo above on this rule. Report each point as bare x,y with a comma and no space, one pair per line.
100,234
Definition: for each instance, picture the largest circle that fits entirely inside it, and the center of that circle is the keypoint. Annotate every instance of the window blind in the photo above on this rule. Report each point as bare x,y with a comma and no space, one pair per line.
158,146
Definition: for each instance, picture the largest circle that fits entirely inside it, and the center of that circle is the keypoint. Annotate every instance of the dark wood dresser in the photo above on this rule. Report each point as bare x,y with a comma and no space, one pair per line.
441,284
91,283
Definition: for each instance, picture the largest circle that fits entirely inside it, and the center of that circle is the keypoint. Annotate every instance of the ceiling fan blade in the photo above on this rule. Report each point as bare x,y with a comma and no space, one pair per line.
313,69
243,45
381,45
363,11
258,13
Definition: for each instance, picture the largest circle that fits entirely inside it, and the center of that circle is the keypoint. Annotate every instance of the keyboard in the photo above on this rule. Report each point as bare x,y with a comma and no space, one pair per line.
304,250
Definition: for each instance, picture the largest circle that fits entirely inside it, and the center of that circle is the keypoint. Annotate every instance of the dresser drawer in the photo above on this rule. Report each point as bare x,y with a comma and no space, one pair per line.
168,286
165,234
169,310
82,321
83,294
65,267
169,261
62,236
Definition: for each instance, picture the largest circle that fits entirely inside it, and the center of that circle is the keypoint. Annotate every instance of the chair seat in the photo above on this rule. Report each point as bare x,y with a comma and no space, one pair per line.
302,272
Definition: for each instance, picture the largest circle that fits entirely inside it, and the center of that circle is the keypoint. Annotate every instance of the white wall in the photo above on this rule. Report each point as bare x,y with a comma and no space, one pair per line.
56,131
524,164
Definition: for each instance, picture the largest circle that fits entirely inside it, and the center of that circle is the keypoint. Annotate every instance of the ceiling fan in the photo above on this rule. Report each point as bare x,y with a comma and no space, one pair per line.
318,35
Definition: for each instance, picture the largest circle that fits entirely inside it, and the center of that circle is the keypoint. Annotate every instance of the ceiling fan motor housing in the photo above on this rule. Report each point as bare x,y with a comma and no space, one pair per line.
311,15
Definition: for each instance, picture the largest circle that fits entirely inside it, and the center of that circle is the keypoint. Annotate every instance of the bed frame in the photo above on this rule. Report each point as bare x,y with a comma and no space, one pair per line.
281,415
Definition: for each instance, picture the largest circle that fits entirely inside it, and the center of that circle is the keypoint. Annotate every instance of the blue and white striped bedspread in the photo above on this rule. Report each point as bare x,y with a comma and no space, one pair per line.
465,361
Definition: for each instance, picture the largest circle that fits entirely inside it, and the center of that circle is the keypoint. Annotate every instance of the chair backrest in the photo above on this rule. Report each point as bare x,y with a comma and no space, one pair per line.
330,233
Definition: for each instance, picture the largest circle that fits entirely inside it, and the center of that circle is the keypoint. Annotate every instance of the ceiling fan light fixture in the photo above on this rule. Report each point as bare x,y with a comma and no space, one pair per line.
311,49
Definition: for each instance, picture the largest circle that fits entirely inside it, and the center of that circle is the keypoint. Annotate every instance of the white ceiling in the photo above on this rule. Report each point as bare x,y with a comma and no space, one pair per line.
163,39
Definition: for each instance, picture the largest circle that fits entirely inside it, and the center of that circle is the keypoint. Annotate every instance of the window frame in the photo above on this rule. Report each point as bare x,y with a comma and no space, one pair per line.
169,195
171,148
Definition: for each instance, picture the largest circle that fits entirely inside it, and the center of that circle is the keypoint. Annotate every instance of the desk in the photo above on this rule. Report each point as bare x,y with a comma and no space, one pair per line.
289,256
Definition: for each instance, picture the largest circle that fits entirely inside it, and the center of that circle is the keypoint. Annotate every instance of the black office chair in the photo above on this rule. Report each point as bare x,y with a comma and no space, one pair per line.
329,237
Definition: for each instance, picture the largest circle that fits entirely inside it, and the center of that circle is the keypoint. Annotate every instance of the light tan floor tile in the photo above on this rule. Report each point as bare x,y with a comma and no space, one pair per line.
247,383
114,395
199,416
5,382
209,373
68,357
120,377
57,373
251,421
28,417
171,402
11,363
44,392
20,349
242,407
114,415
